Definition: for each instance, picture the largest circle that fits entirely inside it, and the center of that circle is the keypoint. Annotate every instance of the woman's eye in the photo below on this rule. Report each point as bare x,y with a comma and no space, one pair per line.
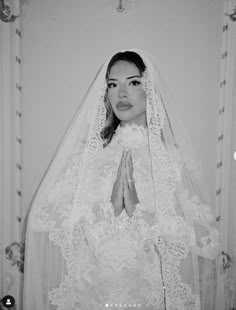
135,83
111,85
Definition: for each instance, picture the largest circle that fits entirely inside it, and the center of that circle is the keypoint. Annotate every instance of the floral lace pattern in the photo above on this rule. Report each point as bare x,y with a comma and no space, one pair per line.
107,252
132,137
118,244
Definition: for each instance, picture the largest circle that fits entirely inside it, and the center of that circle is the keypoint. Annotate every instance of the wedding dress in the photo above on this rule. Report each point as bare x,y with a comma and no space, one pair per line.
86,258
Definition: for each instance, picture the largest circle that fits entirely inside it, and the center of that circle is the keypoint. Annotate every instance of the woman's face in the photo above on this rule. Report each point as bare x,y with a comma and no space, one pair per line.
126,93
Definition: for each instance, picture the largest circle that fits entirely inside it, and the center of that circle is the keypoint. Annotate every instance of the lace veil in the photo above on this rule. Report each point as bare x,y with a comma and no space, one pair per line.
58,201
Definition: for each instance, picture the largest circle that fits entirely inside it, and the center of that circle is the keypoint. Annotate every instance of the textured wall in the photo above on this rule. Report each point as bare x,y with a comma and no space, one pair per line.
65,43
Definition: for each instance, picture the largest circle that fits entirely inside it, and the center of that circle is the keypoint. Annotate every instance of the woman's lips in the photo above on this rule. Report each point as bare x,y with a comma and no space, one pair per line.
123,105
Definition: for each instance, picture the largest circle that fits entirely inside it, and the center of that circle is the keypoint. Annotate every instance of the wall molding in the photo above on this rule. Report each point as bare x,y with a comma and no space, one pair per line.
226,165
10,147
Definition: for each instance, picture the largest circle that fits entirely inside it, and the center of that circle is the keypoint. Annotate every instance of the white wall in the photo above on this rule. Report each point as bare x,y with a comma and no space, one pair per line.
65,42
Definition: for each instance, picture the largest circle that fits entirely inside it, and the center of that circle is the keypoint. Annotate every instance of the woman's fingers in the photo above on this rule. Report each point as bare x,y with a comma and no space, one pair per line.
129,178
125,171
130,194
124,177
129,173
131,163
121,162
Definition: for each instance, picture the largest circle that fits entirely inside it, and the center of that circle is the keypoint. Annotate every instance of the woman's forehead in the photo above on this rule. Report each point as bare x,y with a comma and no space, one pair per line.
123,68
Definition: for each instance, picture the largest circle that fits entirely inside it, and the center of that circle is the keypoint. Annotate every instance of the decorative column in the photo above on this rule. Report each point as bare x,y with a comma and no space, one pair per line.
11,248
226,165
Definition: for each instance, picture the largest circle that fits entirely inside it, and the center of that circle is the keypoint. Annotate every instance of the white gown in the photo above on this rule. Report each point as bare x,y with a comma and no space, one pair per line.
124,268
118,264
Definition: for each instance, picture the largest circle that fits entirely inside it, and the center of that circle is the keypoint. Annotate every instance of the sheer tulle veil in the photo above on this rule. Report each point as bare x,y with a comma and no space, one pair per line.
176,170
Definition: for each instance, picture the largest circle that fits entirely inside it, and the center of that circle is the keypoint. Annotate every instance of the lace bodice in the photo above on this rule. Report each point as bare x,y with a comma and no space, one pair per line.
119,243
131,136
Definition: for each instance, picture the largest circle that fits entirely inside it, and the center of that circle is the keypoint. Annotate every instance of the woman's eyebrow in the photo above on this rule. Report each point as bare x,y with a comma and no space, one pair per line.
129,77
133,76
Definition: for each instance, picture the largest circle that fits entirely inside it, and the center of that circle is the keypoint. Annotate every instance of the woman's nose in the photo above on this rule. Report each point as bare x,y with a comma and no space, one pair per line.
123,92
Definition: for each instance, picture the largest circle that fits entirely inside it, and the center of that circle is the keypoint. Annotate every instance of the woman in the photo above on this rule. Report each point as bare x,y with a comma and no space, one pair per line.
119,219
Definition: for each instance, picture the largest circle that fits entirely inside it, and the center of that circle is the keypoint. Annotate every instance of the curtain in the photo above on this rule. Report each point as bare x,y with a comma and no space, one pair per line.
226,163
11,247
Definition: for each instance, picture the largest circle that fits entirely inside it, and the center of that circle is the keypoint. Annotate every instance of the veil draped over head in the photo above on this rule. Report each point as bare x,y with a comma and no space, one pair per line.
54,246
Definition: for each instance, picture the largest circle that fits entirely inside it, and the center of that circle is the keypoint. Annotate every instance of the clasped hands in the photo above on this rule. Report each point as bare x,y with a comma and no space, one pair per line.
124,195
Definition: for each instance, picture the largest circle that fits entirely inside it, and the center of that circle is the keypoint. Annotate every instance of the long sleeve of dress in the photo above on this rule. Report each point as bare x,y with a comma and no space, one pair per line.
197,214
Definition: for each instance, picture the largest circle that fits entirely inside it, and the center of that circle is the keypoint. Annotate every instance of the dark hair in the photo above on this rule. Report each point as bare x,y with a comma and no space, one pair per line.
128,56
112,121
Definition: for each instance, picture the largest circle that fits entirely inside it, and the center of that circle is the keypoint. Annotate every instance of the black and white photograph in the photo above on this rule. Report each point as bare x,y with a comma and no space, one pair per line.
118,154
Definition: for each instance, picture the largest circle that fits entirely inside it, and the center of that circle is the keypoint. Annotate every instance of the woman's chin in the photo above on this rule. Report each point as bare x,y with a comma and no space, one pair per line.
128,118
124,117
